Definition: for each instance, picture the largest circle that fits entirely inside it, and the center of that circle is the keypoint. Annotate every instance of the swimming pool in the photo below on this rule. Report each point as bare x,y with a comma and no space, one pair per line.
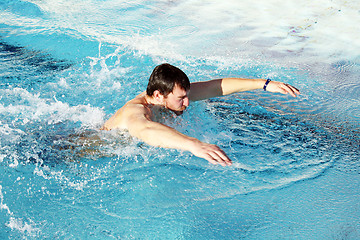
66,66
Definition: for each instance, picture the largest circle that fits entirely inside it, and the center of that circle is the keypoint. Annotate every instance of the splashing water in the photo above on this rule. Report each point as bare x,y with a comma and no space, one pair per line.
66,66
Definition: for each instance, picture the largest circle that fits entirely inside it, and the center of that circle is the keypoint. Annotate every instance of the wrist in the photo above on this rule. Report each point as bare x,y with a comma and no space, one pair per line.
266,83
189,143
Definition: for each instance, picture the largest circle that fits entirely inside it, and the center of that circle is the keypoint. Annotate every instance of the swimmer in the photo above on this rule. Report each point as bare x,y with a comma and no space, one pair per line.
169,87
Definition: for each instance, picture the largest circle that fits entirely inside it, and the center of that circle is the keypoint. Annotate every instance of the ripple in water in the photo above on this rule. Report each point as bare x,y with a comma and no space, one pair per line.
298,150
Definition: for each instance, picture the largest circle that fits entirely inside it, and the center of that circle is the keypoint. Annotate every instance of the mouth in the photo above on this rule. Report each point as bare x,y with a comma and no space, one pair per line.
178,113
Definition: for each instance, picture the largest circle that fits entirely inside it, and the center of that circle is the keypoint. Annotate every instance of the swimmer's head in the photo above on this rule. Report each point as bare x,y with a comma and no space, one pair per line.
164,78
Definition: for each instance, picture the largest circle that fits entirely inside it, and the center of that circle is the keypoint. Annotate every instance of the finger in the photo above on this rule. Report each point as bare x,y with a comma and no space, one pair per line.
290,89
283,88
211,159
214,157
293,90
224,157
220,157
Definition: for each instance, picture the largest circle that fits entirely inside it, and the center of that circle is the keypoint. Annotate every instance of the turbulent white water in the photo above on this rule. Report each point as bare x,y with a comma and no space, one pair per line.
324,30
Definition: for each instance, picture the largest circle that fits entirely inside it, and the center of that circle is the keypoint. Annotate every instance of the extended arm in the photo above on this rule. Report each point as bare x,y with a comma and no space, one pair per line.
226,86
159,135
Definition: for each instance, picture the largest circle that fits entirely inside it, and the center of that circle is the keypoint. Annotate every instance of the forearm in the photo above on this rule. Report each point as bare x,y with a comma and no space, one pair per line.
226,86
160,135
233,85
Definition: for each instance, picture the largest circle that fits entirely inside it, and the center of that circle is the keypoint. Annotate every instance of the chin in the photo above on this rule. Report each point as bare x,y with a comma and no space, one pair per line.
178,113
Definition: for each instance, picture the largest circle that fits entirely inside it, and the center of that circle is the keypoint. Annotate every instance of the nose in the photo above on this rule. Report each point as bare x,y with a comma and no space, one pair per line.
186,102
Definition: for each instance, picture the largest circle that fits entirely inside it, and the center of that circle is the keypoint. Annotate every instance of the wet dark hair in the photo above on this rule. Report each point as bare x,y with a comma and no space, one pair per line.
164,78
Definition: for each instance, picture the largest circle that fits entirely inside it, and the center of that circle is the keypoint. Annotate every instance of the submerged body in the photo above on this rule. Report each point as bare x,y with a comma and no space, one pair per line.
136,115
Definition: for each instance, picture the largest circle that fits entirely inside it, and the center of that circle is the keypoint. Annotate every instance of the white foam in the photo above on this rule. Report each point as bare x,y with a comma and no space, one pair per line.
106,74
2,156
191,28
318,28
34,108
23,227
9,134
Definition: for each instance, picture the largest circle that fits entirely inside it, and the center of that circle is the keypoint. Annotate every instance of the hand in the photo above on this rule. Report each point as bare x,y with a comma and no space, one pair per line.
282,88
210,152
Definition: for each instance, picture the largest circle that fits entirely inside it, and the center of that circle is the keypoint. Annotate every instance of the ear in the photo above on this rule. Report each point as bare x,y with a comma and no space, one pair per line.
158,96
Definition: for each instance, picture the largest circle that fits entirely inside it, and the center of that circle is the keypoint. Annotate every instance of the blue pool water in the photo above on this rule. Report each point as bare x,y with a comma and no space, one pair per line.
67,66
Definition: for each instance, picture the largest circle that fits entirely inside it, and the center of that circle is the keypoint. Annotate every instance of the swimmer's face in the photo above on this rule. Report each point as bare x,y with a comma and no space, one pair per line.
177,100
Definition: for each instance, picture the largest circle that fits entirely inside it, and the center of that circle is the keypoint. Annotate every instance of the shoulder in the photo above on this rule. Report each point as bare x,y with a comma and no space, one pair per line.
132,111
136,105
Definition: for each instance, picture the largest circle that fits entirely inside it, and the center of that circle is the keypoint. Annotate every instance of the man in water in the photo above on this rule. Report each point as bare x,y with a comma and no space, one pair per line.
169,87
